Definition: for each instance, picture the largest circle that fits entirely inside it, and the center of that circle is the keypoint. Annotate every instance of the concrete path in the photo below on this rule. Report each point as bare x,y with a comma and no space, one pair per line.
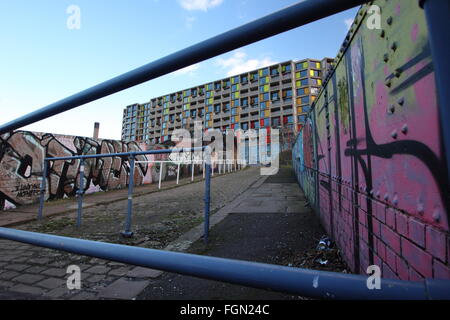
270,224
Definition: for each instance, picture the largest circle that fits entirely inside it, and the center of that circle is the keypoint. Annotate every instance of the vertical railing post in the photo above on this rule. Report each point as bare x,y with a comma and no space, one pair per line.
160,173
127,233
42,191
192,170
207,193
80,193
178,173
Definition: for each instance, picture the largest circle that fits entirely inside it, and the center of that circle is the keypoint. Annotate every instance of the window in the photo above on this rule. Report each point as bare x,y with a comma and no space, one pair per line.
264,88
262,106
274,72
276,122
263,80
244,102
244,79
287,93
275,96
234,111
286,68
305,99
302,91
217,108
314,73
245,126
264,72
236,102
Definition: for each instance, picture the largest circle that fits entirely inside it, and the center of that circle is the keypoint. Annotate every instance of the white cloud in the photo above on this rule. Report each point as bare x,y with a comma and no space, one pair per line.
188,70
202,5
238,63
348,22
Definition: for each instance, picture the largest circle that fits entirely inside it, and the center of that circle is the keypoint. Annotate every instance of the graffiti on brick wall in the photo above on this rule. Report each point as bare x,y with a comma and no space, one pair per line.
21,159
382,186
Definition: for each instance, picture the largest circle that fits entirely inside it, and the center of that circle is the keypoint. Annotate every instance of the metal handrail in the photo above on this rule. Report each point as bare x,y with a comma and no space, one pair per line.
306,282
132,159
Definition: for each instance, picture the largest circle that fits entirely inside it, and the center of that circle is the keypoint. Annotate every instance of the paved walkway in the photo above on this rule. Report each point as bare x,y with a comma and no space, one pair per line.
266,223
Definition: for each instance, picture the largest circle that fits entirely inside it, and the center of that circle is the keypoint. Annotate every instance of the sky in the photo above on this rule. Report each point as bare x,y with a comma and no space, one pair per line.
51,49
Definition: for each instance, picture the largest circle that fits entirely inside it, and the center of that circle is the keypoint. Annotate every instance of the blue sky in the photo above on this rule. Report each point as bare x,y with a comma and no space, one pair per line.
42,60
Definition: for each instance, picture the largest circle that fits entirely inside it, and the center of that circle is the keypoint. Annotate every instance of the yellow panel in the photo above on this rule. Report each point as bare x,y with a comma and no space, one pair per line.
299,100
298,83
318,65
299,109
311,73
267,113
319,82
297,75
305,65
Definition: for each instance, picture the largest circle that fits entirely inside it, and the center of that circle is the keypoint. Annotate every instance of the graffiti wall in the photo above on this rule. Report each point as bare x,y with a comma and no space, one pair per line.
369,158
21,166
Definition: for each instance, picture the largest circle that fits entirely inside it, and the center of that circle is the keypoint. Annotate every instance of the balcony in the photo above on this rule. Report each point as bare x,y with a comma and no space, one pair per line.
286,76
286,85
275,113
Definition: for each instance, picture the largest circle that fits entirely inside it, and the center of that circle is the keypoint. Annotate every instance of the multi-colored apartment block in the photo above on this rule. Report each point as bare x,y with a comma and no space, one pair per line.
277,96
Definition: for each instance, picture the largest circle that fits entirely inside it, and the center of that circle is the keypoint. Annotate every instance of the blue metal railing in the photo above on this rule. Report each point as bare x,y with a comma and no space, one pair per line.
132,157
298,281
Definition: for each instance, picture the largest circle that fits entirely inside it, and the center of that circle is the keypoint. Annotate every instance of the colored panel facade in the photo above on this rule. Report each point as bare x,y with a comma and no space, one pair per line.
278,96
